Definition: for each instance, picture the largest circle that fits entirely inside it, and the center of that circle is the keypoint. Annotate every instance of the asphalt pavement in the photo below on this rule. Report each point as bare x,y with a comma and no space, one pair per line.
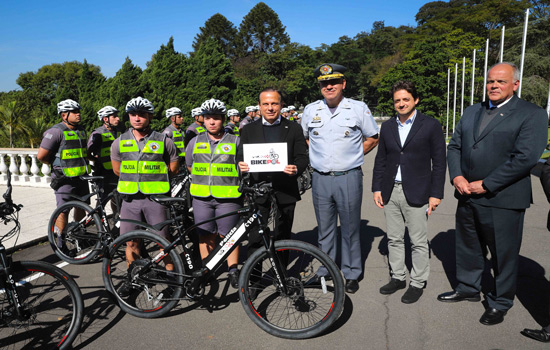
370,320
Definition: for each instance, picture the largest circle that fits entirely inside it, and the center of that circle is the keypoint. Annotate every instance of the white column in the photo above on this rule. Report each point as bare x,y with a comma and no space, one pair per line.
13,164
502,44
473,77
463,78
523,50
454,97
448,99
485,72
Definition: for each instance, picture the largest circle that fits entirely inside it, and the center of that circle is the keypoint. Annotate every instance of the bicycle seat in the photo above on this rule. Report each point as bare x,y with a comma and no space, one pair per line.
91,178
165,200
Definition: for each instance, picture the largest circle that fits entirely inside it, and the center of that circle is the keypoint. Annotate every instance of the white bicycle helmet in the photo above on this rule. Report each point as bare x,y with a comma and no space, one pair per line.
256,108
250,109
195,112
172,111
140,104
291,108
67,106
213,106
232,112
284,110
106,111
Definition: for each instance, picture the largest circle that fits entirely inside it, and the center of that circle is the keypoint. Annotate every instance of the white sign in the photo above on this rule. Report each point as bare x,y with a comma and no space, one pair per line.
263,157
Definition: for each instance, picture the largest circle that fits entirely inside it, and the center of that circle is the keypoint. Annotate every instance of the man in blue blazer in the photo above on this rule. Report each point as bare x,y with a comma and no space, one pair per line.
408,180
490,156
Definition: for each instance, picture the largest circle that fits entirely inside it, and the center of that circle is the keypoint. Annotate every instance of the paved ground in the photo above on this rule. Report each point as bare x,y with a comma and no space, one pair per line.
370,320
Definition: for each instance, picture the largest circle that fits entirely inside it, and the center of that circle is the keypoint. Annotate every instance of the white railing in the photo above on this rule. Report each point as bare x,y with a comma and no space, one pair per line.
24,167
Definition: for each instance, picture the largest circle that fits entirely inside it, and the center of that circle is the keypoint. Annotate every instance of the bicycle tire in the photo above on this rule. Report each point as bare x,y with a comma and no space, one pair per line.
54,304
72,246
146,299
309,308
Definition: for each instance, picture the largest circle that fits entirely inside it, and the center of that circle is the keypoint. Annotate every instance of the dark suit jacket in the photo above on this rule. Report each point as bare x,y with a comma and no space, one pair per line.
545,181
421,157
502,155
286,186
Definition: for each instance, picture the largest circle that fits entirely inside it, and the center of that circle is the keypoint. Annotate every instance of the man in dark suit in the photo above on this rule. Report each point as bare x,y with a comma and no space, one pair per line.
273,128
408,181
543,334
493,149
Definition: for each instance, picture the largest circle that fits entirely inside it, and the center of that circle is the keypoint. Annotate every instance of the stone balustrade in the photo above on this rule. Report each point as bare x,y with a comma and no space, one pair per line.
26,170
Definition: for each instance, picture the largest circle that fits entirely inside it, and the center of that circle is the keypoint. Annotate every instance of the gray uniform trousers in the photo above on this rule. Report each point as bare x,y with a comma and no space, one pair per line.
399,214
340,196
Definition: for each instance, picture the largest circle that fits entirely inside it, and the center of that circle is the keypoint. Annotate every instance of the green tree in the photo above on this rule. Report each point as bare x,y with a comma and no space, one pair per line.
12,121
222,30
261,31
164,79
210,75
89,84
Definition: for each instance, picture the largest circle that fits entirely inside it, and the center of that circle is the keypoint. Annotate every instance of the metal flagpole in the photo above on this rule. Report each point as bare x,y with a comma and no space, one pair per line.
547,105
502,44
485,72
523,50
463,78
454,97
449,97
473,76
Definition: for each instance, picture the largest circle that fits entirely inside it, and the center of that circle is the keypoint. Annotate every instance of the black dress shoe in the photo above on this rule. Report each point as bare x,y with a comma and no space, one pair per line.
492,316
454,296
352,286
537,334
393,286
412,295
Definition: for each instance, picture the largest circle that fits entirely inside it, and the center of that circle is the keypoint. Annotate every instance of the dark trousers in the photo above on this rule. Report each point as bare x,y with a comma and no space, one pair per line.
283,226
500,230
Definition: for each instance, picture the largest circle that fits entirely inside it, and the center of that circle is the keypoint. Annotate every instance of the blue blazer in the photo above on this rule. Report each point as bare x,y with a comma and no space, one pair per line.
421,157
502,155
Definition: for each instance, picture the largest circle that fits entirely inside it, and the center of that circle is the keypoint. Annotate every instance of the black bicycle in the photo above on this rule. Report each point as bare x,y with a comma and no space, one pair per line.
40,304
290,289
87,230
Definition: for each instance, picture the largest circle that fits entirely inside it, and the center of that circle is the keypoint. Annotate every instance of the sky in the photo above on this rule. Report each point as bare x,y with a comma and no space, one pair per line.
34,33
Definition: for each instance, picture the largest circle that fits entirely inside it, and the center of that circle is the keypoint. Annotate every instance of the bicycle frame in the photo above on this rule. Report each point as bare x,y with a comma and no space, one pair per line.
222,250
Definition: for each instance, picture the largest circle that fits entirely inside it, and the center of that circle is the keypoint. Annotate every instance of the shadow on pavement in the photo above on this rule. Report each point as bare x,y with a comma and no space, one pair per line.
99,317
533,290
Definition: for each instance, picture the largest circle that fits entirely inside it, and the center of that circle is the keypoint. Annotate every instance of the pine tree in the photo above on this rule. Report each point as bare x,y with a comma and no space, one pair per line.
262,31
222,30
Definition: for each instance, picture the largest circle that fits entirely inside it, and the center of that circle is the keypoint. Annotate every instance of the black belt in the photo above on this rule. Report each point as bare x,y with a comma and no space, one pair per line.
336,173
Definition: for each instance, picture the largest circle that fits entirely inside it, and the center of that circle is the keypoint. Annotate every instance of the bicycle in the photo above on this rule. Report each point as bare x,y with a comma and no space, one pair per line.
88,230
40,304
290,289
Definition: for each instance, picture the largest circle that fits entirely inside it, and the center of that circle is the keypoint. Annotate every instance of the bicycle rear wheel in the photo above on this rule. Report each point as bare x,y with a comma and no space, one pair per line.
310,304
79,242
144,288
52,308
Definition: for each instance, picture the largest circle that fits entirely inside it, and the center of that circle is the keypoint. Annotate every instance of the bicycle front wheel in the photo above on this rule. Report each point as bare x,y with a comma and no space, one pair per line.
311,299
51,308
78,242
148,284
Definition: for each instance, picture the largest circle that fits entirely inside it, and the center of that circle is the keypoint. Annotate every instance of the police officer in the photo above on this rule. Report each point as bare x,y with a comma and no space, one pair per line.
143,160
284,112
232,126
173,131
251,115
64,147
99,148
195,128
340,131
214,187
291,113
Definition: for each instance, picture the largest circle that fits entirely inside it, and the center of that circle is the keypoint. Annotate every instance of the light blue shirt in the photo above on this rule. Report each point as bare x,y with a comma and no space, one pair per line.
336,140
403,130
266,123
